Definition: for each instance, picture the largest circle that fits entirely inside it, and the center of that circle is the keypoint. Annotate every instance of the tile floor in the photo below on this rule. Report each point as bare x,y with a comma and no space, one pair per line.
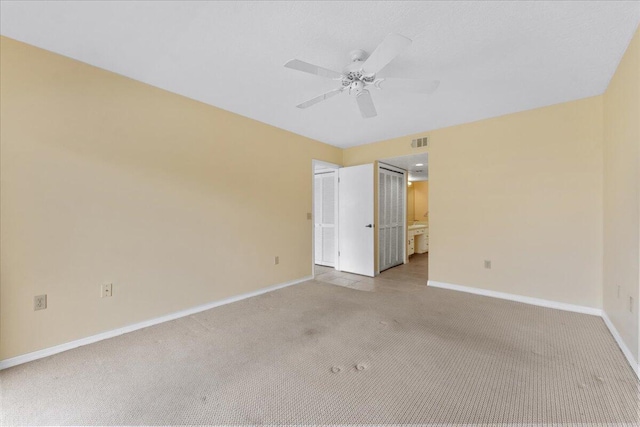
409,276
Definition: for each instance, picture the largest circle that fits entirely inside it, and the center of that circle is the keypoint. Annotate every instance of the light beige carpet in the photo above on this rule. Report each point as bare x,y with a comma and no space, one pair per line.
316,353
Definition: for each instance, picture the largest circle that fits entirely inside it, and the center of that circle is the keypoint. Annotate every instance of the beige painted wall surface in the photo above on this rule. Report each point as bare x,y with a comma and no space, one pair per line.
523,190
622,196
105,179
421,200
381,150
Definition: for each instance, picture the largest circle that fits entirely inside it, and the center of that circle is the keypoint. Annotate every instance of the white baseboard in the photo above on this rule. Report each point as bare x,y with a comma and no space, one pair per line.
625,350
8,363
519,298
549,304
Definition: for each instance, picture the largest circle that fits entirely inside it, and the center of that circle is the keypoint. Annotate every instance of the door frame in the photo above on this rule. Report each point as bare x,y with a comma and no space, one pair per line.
405,175
314,164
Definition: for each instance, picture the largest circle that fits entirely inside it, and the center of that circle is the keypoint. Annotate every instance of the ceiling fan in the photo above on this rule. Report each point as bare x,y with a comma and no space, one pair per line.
360,74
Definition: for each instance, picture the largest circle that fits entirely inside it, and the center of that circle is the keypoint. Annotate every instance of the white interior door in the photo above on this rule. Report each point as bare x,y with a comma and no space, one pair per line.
324,217
355,219
391,217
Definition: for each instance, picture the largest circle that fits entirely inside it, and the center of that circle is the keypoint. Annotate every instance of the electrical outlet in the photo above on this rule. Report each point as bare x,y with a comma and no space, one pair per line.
106,290
487,263
276,260
39,302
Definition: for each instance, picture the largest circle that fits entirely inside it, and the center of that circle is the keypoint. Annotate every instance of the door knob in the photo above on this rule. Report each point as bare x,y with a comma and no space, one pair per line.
369,226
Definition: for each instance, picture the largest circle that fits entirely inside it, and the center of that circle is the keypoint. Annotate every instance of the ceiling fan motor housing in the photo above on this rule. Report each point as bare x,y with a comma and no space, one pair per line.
358,55
354,76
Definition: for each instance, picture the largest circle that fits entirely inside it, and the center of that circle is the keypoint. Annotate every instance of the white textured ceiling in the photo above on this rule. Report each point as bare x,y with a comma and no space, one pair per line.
492,58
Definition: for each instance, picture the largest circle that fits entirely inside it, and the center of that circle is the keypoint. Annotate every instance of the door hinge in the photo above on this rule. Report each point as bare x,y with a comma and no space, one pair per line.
338,253
338,180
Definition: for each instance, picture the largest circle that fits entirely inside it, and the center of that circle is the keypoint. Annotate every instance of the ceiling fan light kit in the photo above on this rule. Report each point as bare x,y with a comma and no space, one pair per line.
360,74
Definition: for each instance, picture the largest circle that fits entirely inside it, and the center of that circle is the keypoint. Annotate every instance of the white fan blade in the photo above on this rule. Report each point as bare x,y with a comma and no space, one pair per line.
367,109
317,99
390,47
296,64
409,85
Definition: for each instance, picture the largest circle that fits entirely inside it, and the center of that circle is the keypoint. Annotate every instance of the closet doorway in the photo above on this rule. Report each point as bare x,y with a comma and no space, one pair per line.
392,202
325,209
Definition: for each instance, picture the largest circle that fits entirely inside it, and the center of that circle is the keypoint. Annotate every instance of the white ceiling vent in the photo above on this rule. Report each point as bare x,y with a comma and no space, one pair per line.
419,143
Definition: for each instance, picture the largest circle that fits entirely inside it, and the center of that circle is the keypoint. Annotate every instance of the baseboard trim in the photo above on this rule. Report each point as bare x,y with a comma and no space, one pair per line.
518,298
39,354
549,304
18,360
623,347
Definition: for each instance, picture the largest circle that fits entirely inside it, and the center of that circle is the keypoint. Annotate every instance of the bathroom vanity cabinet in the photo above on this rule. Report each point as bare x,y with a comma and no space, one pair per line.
418,239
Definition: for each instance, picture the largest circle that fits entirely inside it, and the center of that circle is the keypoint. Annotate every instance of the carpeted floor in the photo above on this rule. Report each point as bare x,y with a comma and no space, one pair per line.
318,353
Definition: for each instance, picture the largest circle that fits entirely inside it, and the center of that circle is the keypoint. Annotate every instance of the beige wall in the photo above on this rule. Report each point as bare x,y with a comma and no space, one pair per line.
622,197
105,179
381,150
523,190
421,205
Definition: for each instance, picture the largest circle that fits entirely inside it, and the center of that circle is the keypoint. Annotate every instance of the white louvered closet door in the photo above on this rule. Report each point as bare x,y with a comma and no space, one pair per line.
391,203
324,216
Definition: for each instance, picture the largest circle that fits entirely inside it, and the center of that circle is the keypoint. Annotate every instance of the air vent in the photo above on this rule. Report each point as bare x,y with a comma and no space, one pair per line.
419,143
